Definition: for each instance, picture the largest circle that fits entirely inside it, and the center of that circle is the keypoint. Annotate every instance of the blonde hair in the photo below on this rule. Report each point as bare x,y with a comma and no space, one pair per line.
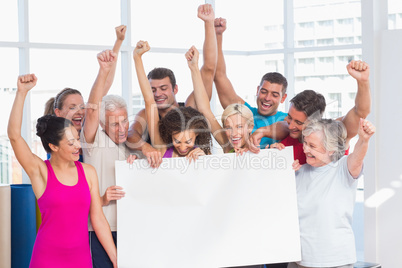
237,108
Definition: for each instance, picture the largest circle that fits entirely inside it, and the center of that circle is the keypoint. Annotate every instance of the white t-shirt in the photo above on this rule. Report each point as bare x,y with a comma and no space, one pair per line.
102,155
326,197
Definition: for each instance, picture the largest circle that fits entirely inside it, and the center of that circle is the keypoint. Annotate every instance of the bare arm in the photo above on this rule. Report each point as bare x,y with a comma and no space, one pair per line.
206,13
201,97
98,220
276,131
136,131
355,159
151,110
120,35
135,141
31,163
224,87
360,71
106,59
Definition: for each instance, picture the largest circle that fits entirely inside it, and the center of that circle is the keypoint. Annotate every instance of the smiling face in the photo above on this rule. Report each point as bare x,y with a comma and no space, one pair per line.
237,130
164,94
69,146
73,109
316,154
296,120
183,142
116,125
269,96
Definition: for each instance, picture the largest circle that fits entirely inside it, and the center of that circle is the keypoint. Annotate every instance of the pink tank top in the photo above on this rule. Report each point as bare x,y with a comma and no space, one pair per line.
62,240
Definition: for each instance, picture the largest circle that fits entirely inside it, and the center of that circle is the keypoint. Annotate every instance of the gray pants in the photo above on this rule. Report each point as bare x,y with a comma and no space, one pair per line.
295,265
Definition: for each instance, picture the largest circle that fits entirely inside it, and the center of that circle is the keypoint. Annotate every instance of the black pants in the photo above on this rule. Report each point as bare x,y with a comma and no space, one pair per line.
277,265
249,266
100,259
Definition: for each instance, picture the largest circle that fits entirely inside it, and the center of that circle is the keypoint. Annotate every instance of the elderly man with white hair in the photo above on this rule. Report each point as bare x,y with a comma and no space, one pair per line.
103,142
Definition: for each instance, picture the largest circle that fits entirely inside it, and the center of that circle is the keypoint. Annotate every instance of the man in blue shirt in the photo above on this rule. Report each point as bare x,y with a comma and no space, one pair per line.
270,92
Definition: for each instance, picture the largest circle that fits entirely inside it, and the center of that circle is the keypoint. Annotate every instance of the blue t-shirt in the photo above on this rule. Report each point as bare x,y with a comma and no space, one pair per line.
263,121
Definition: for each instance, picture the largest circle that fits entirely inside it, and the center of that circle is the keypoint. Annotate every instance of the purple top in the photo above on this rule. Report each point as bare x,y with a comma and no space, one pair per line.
168,153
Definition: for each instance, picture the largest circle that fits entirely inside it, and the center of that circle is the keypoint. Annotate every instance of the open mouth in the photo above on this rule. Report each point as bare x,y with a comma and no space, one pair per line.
236,140
77,121
310,156
160,100
122,136
266,105
182,152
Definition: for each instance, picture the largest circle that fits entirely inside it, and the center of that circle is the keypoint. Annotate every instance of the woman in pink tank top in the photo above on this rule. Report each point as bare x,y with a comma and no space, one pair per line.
67,191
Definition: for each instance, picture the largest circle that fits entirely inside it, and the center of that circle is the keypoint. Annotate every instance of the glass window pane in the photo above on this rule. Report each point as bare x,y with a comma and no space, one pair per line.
167,24
248,25
8,20
325,72
325,23
394,14
57,69
74,21
10,170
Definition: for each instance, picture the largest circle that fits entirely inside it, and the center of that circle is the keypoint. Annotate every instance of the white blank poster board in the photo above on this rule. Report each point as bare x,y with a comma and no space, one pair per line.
219,211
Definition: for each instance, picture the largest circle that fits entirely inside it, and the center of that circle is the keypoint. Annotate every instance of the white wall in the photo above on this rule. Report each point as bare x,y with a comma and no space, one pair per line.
383,172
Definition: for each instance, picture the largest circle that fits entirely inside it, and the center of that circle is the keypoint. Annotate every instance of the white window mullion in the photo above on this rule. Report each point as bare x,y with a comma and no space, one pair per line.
126,62
24,68
288,43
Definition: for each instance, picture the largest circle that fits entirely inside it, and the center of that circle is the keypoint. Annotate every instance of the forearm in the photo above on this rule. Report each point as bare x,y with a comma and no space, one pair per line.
200,95
97,91
104,234
276,131
210,58
143,80
279,130
363,99
117,46
355,160
15,120
221,65
110,77
135,141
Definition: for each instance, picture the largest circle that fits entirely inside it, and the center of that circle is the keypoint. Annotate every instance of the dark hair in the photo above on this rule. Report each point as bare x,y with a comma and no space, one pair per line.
309,102
50,129
182,119
275,78
58,101
160,73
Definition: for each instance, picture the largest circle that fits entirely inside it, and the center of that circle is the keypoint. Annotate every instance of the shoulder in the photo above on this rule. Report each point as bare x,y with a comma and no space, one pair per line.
141,113
89,170
253,109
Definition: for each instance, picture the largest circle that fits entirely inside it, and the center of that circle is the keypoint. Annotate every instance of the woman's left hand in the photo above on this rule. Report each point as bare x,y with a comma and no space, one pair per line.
194,154
296,165
241,151
366,129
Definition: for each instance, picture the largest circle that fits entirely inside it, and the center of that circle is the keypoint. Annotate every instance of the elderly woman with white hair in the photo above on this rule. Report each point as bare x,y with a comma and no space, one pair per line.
326,193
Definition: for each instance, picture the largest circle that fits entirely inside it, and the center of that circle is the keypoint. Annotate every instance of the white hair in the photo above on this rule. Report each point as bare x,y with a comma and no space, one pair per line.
111,103
334,135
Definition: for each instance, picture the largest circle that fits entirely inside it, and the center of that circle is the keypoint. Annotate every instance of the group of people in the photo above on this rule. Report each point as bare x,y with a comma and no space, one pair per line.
76,188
